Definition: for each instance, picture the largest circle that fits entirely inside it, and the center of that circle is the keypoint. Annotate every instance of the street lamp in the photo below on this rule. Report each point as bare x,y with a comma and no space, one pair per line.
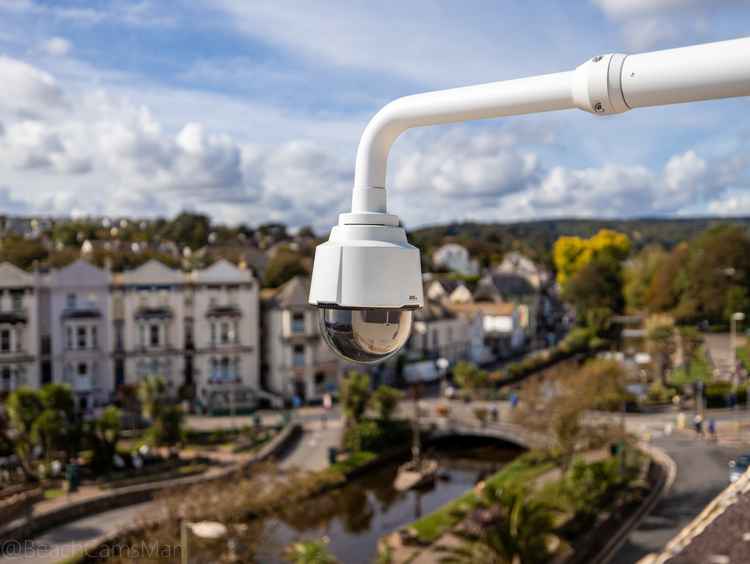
209,530
736,316
366,279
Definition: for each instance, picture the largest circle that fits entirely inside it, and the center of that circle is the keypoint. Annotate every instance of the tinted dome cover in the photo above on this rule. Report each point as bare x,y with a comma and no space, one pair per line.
365,335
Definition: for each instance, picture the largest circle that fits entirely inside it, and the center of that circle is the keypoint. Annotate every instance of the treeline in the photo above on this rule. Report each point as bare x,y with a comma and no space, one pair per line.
489,241
702,280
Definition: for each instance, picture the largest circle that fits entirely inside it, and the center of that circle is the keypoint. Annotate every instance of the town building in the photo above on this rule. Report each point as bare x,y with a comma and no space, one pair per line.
454,291
296,359
503,327
198,331
516,263
19,334
455,258
75,331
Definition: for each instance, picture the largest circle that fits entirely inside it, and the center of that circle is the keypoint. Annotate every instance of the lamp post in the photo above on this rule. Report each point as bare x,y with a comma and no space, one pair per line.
209,530
737,316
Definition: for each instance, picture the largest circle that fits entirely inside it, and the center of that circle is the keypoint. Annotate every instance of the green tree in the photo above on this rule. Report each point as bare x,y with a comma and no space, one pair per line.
521,534
283,266
167,428
470,377
152,395
596,291
385,400
310,552
638,274
690,341
661,345
105,434
355,395
24,407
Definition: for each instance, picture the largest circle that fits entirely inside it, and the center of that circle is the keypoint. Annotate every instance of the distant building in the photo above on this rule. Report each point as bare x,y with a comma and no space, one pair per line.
453,291
75,331
19,335
516,263
456,259
199,331
439,333
296,360
502,326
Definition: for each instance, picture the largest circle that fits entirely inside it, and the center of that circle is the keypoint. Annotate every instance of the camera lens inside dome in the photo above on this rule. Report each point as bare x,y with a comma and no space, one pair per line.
365,335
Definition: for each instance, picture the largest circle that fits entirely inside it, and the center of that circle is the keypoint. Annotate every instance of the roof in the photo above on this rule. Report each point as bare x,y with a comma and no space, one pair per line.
433,311
152,272
485,308
505,284
80,274
222,271
291,294
13,277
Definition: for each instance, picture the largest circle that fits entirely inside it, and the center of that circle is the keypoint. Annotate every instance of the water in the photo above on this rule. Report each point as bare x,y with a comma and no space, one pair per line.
357,515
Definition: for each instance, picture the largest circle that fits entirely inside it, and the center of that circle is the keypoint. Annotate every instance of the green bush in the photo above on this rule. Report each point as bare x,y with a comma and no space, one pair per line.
717,394
376,436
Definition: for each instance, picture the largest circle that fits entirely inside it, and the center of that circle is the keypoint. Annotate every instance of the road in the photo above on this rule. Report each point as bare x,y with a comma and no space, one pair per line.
702,473
68,540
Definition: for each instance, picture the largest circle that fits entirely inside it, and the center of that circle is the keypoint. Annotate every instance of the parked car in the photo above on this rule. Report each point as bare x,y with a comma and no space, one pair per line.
738,467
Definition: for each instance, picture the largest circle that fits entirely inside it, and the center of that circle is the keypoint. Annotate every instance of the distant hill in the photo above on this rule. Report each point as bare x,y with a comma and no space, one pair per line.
537,237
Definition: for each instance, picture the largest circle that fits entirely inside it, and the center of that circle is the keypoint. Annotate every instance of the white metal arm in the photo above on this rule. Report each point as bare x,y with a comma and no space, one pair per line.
604,85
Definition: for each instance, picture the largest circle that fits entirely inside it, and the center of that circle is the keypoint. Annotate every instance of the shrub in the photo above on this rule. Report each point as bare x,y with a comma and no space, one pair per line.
375,436
385,401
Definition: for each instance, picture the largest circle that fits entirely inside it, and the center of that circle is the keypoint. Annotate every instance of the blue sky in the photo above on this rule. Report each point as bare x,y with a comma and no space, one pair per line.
251,111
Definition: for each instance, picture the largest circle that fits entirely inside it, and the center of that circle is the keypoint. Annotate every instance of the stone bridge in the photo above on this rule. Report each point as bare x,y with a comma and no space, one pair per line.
508,432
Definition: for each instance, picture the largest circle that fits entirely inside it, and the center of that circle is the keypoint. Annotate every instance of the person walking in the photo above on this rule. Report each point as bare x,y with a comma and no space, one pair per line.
698,425
712,429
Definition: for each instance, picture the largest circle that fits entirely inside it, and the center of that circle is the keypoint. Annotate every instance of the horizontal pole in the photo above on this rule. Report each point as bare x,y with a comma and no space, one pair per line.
688,74
604,85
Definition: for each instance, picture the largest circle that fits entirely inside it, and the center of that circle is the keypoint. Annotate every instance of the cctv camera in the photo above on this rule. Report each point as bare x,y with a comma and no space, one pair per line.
366,282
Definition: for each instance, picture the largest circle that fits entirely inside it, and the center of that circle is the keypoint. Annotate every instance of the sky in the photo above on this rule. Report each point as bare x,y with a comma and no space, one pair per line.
251,111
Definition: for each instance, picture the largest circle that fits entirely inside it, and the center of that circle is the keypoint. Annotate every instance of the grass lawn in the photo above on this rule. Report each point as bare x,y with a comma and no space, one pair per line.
743,355
53,493
700,370
431,526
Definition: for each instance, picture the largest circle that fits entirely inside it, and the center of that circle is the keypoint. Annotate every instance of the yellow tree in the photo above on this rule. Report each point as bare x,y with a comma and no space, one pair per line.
572,254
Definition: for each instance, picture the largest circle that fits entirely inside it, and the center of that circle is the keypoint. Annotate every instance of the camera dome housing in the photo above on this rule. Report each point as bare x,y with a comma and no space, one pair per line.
366,281
366,336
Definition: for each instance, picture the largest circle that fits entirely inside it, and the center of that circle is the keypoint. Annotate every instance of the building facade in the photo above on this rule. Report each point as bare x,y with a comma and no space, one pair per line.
75,331
456,259
19,333
296,360
198,331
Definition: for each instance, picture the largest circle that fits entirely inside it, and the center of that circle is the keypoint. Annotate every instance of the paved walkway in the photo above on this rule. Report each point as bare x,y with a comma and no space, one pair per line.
68,540
310,453
702,473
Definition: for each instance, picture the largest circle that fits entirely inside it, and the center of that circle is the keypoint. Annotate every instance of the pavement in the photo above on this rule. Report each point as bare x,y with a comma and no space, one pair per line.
309,453
702,473
718,346
70,539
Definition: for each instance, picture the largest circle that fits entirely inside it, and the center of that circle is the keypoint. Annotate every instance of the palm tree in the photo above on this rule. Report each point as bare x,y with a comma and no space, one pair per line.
310,552
151,392
521,534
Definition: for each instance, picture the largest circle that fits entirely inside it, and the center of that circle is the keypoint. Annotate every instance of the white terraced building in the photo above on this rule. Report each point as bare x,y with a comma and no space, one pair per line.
75,331
19,336
198,330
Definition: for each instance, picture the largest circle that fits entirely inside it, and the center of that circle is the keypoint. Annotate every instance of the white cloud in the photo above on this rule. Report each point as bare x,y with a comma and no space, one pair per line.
28,90
649,23
57,46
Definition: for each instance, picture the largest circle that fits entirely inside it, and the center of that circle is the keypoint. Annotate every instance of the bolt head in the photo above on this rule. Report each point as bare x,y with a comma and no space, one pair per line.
598,108
597,58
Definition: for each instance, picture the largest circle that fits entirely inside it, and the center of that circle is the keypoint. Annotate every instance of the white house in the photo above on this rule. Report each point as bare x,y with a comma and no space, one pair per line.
516,263
75,330
456,259
296,360
502,325
19,336
438,333
199,331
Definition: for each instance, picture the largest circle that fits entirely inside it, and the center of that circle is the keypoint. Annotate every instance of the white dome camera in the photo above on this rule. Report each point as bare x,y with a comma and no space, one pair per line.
366,279
366,282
